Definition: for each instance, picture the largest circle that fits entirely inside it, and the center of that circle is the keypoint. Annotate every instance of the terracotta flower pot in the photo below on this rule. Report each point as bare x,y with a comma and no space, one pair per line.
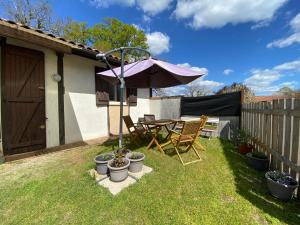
245,148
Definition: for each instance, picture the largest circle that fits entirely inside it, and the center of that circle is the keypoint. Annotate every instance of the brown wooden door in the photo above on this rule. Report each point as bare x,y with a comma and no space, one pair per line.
23,100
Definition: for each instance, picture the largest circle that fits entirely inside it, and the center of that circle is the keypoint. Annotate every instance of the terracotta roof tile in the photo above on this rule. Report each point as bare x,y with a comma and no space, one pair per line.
39,32
267,98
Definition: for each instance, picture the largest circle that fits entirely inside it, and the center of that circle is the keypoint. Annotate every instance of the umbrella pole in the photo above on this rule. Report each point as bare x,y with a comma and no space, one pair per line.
121,79
122,88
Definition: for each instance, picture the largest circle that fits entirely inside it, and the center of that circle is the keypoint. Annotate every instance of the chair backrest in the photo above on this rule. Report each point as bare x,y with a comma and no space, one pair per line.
203,120
141,119
129,123
193,128
149,117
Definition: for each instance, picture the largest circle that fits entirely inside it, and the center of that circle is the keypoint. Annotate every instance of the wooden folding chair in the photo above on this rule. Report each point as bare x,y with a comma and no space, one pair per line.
188,135
150,117
203,121
136,131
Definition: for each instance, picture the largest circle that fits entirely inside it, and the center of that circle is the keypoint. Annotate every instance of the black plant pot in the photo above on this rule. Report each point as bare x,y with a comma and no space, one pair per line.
279,189
258,163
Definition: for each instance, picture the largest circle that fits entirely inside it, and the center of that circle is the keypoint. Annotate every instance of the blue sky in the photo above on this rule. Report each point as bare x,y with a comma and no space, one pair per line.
254,42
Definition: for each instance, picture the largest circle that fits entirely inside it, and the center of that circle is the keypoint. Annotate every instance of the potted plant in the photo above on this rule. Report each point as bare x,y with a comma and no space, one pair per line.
136,161
281,185
101,162
258,160
243,140
118,167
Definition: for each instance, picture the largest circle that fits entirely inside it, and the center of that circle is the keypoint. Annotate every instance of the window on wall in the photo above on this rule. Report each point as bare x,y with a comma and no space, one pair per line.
106,91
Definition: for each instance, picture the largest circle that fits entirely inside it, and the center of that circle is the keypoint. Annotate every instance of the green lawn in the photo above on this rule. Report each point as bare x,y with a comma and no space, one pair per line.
57,189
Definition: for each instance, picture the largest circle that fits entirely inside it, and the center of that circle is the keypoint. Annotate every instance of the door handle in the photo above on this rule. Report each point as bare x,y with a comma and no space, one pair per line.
41,88
42,127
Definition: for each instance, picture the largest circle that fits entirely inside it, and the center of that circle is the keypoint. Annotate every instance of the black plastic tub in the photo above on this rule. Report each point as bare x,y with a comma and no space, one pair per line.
258,161
281,185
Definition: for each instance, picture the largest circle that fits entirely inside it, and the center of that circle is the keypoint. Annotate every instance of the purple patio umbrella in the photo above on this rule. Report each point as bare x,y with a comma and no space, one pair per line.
147,73
152,73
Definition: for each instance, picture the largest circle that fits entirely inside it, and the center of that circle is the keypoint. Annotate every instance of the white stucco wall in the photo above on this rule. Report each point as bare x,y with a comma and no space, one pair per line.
83,119
165,108
143,104
51,96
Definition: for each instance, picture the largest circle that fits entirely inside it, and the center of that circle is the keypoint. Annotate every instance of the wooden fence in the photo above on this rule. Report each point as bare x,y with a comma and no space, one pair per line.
274,128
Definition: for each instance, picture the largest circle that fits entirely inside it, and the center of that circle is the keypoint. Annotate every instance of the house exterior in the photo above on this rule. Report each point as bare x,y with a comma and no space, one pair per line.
50,95
268,98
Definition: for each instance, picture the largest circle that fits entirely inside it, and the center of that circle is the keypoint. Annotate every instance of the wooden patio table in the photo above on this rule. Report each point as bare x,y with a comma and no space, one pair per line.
158,125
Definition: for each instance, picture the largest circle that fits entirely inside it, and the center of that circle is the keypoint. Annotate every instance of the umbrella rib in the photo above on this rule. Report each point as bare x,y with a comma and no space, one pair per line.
112,69
136,63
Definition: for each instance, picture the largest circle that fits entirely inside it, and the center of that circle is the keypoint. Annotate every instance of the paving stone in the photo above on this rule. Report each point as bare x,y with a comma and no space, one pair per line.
145,170
117,187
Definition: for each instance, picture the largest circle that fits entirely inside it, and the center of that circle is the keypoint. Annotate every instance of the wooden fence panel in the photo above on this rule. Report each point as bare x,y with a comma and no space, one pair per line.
274,128
287,136
296,135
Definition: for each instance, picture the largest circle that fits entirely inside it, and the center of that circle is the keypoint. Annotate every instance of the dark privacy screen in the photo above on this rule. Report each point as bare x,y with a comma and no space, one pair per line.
213,105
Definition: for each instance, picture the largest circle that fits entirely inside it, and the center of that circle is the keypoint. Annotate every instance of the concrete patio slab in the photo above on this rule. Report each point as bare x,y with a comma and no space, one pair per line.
117,187
145,170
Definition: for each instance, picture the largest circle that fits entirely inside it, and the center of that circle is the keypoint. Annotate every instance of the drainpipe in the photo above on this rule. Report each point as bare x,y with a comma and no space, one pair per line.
2,45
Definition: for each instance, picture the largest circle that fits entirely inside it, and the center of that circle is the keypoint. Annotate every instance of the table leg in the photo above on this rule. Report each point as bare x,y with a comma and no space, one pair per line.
151,143
159,147
169,131
154,141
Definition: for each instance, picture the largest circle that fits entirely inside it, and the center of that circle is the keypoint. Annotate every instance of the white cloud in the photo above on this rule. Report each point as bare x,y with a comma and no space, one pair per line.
202,70
218,13
201,80
153,7
290,40
261,24
228,71
293,65
147,6
107,3
268,80
158,43
295,23
291,84
207,85
262,80
146,19
285,42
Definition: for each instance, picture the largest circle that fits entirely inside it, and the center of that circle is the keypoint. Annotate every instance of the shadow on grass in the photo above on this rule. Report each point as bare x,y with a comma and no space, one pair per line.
113,143
252,186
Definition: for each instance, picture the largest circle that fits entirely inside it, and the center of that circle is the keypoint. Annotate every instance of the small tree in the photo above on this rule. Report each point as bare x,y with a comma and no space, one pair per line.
248,94
77,32
159,92
113,33
288,92
110,34
196,89
37,14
